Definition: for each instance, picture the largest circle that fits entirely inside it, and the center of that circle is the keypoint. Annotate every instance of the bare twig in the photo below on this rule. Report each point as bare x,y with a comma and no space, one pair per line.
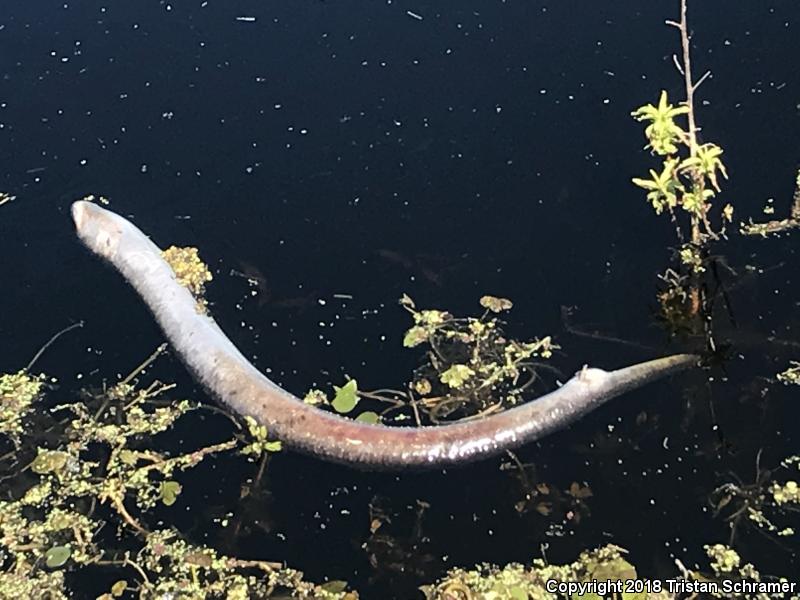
566,320
144,364
778,226
264,565
683,27
118,505
705,76
139,569
195,456
677,63
52,339
262,465
698,181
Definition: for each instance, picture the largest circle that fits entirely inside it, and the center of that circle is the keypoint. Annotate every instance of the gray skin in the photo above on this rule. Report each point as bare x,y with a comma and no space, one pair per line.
227,374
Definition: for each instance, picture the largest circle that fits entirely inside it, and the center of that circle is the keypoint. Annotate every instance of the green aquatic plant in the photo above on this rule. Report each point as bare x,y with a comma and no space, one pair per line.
606,573
791,376
662,188
82,479
770,504
570,505
734,579
686,183
346,397
260,445
471,368
689,174
18,392
663,133
596,574
191,272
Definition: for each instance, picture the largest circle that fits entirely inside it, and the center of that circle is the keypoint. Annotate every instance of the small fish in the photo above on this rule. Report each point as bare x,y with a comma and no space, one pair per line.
266,297
417,265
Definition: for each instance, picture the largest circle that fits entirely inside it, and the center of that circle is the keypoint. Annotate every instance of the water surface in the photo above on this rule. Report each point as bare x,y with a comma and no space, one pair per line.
489,146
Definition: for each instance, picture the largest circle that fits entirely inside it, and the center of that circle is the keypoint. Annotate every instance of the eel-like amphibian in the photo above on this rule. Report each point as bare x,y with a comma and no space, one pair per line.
219,365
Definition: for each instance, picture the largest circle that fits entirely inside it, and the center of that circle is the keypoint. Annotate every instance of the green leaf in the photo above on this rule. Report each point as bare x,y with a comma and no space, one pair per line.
314,397
57,556
662,186
273,446
405,300
695,202
496,304
49,461
617,569
431,318
707,162
645,183
663,112
346,397
662,133
119,588
456,375
259,432
415,336
128,457
369,417
169,491
334,587
518,593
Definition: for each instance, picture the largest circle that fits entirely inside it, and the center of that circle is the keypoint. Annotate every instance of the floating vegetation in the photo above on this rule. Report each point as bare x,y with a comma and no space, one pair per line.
732,579
791,376
595,574
674,302
191,272
82,480
570,505
84,486
471,369
606,573
767,504
397,544
18,391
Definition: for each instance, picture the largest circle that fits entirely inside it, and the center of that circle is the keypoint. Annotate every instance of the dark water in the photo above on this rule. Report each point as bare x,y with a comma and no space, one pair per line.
488,144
